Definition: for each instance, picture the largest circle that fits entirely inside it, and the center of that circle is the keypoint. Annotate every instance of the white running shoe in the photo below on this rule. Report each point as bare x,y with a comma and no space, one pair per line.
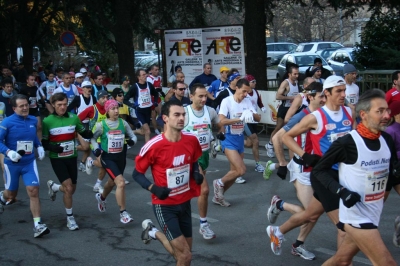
125,217
273,211
259,168
101,204
52,194
126,182
82,167
270,150
240,180
206,231
71,224
98,188
40,230
303,252
221,202
276,242
89,165
147,225
218,190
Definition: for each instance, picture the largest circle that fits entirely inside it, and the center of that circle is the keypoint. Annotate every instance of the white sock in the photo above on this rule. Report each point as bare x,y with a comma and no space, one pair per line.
278,233
68,211
272,167
55,187
98,182
152,233
203,221
219,181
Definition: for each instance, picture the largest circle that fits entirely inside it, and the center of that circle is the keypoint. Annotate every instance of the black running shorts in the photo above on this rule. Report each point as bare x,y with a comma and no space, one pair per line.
114,168
282,110
329,201
65,168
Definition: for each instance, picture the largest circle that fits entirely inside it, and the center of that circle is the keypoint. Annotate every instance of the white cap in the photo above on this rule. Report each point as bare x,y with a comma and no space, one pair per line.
78,75
333,81
83,70
86,84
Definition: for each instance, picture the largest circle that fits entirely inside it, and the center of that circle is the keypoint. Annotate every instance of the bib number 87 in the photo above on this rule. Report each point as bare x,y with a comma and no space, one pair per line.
179,179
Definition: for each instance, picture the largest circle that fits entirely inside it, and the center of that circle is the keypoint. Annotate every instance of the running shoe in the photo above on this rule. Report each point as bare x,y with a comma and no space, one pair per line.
126,182
276,242
270,150
98,188
71,224
40,230
213,151
89,165
273,211
221,202
82,167
259,168
206,231
1,201
267,172
240,180
147,226
101,204
52,194
125,217
303,252
218,190
396,235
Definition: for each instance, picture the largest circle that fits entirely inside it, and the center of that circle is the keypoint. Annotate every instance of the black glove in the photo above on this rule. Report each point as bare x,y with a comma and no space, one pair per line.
87,134
55,148
396,169
198,177
221,136
310,160
349,198
282,171
130,142
97,152
161,192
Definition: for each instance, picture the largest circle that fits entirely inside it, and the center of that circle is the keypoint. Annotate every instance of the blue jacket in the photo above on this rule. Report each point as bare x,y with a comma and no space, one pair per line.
204,79
18,128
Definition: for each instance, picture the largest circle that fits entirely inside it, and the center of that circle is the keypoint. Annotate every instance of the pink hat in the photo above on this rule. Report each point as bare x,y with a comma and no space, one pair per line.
72,74
110,104
249,77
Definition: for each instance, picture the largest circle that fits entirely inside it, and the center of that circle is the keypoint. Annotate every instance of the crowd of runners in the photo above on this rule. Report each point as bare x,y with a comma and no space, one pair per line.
343,150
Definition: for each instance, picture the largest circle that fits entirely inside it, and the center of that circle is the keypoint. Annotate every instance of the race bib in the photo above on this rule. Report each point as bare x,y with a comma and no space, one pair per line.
68,148
32,102
375,185
115,142
352,98
26,146
335,136
237,129
50,91
203,135
178,179
145,98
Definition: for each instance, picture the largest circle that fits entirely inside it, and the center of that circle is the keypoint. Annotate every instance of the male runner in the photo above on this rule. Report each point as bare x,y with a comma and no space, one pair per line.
67,87
172,157
30,90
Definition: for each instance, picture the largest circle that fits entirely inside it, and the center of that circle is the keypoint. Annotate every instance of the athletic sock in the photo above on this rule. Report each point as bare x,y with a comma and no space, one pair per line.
69,212
279,205
272,167
270,144
203,221
219,181
98,182
298,243
152,232
36,221
278,233
55,187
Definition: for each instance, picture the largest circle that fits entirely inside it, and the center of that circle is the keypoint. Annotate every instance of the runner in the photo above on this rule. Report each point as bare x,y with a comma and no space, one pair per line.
198,120
155,80
46,89
325,125
59,138
112,154
67,87
235,111
172,157
367,159
30,90
18,146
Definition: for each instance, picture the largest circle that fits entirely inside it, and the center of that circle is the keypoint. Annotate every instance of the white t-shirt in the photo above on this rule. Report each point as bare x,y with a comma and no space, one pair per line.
232,109
352,93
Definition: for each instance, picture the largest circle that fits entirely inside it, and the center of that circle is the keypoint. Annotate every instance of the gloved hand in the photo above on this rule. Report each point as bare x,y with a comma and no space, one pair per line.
396,169
41,152
198,177
97,152
55,148
310,160
350,198
246,114
15,156
250,119
264,110
282,171
161,192
221,136
155,104
130,142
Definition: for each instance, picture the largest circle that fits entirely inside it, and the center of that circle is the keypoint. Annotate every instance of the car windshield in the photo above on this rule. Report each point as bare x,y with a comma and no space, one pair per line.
307,60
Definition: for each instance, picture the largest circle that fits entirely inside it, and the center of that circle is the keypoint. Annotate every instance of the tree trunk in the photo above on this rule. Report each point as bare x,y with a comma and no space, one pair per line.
254,30
124,39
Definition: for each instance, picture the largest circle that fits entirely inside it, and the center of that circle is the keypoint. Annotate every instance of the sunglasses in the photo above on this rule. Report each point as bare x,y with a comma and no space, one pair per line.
253,81
182,89
120,95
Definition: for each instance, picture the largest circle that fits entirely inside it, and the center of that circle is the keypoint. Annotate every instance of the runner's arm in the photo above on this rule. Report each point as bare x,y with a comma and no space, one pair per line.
142,180
87,113
98,131
129,132
3,134
132,93
282,90
153,92
293,108
74,104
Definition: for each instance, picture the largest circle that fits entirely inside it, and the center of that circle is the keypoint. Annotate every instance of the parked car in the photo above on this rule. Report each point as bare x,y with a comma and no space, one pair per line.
326,52
316,46
303,60
339,58
144,53
277,49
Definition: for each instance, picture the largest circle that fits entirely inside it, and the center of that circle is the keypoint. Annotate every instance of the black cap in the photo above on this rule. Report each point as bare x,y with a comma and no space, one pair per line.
116,91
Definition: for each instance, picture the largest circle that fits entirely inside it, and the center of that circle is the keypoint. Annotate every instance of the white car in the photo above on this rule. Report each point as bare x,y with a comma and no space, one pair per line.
313,47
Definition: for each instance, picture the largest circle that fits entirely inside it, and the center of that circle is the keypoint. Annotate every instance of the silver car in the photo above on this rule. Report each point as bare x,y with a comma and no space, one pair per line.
303,60
276,49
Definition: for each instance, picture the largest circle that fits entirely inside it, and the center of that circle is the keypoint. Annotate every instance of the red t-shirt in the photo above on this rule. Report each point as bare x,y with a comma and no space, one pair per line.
171,166
392,95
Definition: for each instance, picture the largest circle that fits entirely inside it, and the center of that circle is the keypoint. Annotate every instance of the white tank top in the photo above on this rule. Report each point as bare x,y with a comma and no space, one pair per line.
253,99
144,97
200,126
368,177
293,91
83,106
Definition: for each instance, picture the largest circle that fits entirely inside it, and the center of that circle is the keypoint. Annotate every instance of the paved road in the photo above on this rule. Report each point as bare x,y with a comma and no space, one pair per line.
103,240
